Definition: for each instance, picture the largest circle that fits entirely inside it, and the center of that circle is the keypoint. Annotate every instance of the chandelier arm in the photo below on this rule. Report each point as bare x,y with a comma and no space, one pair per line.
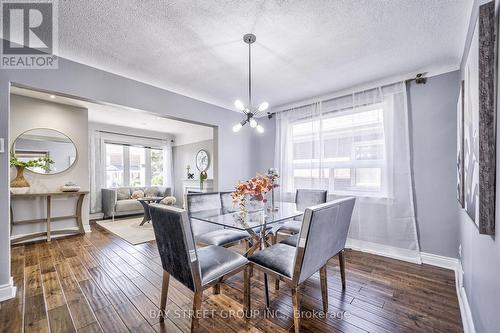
258,113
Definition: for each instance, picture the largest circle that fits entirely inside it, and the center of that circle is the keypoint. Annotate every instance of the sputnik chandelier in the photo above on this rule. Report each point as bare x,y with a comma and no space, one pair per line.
250,112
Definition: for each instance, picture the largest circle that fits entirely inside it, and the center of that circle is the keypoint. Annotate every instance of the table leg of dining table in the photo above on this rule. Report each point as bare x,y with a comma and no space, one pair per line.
266,286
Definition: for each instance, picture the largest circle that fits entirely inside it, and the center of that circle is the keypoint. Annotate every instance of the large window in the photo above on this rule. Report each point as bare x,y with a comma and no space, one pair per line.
342,152
114,165
156,167
128,165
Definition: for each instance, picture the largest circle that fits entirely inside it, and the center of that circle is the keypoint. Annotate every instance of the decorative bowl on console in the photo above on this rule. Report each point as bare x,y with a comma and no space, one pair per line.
70,187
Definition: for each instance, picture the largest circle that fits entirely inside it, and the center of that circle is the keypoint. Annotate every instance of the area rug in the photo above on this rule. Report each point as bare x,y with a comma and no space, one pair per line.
129,229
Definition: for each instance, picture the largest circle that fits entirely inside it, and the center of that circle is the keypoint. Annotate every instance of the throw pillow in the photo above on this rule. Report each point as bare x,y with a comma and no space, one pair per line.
137,194
123,193
168,201
151,192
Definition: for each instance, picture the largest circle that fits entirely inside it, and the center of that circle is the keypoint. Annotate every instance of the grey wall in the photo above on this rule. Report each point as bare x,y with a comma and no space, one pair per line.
28,113
481,253
79,80
433,119
263,146
184,155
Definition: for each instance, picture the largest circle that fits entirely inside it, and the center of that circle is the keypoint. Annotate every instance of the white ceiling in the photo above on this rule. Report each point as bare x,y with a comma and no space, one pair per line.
184,132
303,48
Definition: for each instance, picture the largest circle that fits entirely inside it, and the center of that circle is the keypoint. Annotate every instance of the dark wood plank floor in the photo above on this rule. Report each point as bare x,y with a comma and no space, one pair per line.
100,283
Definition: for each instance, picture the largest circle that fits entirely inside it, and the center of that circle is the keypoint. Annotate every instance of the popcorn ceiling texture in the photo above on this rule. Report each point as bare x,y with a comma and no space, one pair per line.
303,48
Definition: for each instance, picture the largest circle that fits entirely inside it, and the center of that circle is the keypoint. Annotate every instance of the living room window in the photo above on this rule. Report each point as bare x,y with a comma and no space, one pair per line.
133,165
114,165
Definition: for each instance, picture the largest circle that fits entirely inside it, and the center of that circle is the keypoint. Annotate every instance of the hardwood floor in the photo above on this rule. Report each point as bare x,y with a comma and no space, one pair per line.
100,283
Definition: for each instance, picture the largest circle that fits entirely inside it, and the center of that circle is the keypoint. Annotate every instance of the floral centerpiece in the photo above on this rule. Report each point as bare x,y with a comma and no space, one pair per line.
253,189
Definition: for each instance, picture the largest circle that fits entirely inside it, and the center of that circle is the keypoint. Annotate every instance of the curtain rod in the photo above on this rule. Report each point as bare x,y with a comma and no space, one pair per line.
419,79
135,136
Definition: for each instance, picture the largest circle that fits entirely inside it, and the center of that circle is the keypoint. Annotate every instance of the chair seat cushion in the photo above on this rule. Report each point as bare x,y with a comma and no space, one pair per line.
222,237
128,205
279,258
216,261
291,227
292,240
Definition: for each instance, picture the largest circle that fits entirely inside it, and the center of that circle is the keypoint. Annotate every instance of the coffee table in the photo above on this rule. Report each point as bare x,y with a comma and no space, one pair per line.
145,202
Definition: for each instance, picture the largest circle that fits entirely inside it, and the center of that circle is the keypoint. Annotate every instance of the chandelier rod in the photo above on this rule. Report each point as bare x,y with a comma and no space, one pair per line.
249,75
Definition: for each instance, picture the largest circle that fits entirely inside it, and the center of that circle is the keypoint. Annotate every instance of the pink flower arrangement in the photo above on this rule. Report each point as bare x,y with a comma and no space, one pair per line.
255,188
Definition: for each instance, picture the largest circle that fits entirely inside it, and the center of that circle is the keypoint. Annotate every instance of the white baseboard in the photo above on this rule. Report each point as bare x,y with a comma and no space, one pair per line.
96,216
86,227
463,302
384,250
439,261
7,291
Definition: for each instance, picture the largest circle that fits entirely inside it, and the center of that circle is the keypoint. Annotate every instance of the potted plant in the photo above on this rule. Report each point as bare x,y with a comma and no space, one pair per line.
20,181
203,177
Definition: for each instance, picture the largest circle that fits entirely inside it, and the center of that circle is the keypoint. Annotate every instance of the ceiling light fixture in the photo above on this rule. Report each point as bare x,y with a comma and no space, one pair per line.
248,110
52,96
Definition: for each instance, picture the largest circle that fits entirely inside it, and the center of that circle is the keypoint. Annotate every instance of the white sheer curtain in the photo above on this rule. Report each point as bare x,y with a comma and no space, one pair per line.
168,166
356,145
95,170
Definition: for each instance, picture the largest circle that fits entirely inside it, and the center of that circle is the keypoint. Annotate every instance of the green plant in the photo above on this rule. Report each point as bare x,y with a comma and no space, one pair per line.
203,176
42,162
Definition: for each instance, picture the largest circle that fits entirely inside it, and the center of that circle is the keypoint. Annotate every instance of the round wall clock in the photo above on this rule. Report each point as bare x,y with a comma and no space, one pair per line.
202,160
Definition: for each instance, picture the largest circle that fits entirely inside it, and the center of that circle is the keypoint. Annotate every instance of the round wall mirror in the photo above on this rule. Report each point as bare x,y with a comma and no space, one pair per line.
202,160
46,143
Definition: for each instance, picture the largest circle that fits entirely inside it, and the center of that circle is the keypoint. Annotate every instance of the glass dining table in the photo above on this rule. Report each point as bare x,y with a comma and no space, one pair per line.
257,222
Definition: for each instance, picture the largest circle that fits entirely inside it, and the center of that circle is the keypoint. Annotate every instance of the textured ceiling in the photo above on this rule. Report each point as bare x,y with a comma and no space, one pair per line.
303,48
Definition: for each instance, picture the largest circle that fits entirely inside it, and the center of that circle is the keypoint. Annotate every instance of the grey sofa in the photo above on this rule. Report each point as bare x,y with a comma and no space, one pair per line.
118,202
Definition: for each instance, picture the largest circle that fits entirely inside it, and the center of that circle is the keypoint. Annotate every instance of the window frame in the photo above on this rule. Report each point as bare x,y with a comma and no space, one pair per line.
352,164
126,162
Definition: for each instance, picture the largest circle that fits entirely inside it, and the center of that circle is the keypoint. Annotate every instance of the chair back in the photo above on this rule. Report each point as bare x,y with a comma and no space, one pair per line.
323,235
176,244
227,204
196,202
306,198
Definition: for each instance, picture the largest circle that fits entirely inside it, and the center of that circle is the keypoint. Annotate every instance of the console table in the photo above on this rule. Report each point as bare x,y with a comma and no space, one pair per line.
48,196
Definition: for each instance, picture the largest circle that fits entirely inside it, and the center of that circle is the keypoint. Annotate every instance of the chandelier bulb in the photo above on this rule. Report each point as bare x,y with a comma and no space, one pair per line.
253,123
237,127
263,106
239,105
260,129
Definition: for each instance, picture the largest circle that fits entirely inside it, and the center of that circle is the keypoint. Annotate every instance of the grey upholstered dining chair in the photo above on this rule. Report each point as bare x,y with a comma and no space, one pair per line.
303,198
323,235
226,202
197,269
204,232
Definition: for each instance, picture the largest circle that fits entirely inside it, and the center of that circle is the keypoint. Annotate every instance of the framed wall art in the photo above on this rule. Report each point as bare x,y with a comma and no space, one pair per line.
460,146
479,123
